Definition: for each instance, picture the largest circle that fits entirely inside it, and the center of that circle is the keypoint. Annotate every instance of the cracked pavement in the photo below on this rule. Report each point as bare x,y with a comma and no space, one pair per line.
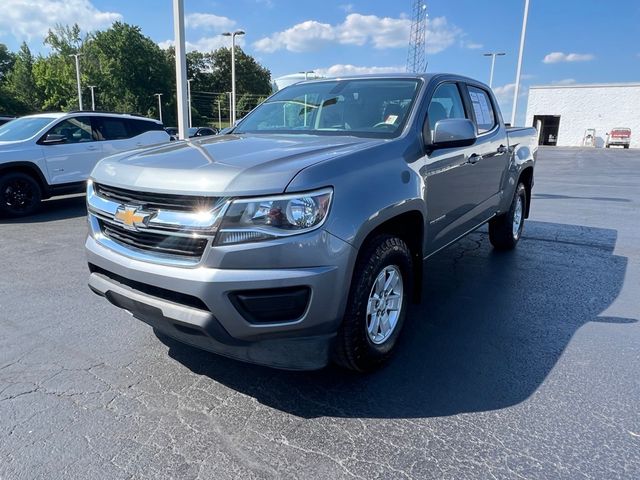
517,365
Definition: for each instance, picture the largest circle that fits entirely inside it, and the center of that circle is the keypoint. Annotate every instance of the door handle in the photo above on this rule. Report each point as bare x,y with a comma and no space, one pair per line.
473,159
91,147
502,149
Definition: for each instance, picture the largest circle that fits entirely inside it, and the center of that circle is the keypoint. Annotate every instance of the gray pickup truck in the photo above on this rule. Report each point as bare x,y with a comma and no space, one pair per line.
299,237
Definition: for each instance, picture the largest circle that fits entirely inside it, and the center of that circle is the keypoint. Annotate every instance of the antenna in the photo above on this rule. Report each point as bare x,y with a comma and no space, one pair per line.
417,55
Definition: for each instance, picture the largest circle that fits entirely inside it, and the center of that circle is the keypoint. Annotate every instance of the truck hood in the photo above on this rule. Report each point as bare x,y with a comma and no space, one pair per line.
226,165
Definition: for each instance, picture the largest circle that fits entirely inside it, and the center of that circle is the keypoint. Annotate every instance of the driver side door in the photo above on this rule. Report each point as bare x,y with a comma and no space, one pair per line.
73,159
447,172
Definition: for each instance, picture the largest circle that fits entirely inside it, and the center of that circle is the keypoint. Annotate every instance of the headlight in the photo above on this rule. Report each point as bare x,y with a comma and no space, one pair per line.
256,219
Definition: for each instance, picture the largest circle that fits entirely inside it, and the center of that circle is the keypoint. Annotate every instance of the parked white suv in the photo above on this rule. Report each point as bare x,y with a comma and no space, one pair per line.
53,153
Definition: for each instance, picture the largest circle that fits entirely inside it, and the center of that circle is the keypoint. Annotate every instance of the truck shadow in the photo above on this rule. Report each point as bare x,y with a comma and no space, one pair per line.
59,208
489,330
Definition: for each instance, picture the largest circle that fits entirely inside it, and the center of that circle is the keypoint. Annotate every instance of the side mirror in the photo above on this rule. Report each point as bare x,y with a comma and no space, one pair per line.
54,139
454,132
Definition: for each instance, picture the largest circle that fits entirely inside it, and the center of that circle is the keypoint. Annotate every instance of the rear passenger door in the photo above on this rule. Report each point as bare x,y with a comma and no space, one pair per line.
115,135
490,149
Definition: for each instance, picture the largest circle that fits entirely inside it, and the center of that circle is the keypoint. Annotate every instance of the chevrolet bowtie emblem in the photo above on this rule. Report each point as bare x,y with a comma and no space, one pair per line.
132,217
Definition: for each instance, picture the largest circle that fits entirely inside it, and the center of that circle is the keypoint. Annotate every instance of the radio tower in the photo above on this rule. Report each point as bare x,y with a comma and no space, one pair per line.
417,55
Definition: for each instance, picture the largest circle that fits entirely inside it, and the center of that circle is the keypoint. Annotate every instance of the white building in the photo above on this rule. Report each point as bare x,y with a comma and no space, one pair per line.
565,113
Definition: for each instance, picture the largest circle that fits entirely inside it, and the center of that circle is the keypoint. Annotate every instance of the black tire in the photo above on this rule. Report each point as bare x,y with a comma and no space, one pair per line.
20,195
626,147
354,349
501,228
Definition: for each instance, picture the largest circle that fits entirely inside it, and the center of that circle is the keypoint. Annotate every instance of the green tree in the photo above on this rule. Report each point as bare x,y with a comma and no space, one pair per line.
127,68
21,85
55,75
7,60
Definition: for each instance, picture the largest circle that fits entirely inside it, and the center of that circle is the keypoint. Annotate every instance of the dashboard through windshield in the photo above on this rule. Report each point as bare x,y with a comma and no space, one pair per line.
364,107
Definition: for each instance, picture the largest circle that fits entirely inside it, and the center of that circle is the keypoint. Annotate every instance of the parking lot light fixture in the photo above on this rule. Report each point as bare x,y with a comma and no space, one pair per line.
493,56
233,71
93,97
77,57
159,95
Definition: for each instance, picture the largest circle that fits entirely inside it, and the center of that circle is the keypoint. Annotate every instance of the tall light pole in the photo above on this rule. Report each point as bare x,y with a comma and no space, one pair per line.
77,57
233,71
306,74
306,77
493,56
181,67
159,95
189,99
93,98
519,69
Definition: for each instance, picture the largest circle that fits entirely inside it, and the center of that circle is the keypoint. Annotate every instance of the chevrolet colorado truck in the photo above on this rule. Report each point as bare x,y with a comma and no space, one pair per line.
299,237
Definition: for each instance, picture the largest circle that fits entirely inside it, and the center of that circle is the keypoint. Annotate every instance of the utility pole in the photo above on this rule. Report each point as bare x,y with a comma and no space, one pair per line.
219,116
159,95
181,67
519,69
93,98
77,57
189,99
233,71
493,56
230,107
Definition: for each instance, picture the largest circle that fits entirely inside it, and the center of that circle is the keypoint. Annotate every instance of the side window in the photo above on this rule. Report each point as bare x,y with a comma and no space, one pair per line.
445,103
112,128
482,109
75,130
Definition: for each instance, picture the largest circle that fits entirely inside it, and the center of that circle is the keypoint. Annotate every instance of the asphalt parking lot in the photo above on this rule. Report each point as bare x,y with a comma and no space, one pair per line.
517,365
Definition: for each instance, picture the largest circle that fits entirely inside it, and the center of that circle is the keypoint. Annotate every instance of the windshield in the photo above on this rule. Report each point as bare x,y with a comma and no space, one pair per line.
22,128
367,107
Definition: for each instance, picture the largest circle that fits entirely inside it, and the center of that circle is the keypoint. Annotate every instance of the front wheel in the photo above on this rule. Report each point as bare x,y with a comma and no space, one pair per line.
505,230
20,195
377,305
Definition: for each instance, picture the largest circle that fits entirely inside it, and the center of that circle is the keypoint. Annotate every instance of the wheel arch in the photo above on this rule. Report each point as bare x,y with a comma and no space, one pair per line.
409,227
526,177
30,169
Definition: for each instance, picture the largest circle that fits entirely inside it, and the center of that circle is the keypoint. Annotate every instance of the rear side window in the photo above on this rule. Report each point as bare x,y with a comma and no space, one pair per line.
482,109
112,128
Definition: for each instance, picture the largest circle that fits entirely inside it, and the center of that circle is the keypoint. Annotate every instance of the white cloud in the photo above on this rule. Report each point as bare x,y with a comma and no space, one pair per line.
357,29
347,7
208,21
205,44
28,20
472,45
557,57
564,81
340,70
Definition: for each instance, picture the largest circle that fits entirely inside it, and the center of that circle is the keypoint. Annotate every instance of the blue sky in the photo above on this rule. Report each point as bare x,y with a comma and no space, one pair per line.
583,41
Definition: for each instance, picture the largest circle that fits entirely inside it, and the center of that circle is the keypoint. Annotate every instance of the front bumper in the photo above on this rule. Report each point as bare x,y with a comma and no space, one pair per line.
194,306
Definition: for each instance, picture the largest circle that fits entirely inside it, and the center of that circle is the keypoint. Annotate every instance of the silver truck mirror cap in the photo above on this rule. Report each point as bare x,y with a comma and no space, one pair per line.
453,132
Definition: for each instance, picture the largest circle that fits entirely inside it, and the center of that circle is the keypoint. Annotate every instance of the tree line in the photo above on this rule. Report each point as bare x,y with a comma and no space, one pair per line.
127,69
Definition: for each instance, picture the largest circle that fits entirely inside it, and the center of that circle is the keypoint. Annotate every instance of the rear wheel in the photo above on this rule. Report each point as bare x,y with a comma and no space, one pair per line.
505,230
20,194
377,305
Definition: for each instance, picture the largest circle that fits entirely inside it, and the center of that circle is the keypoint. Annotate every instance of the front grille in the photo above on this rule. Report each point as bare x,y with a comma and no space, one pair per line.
155,242
158,201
